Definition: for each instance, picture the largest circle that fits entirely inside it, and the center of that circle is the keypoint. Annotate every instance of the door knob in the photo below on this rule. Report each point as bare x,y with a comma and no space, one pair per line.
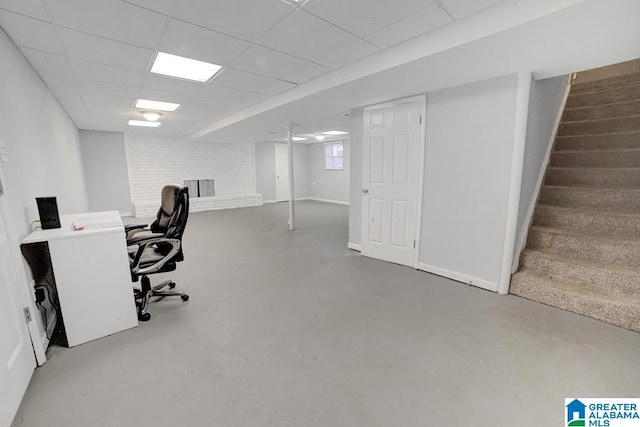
365,190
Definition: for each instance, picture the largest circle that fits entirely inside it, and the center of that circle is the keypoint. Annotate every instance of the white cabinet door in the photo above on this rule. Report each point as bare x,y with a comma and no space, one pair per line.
392,150
17,360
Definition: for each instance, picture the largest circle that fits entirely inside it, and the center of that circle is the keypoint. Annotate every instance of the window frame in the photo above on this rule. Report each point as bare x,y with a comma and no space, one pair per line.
326,157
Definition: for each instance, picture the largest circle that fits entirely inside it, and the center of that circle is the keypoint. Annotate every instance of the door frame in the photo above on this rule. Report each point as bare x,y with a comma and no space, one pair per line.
422,99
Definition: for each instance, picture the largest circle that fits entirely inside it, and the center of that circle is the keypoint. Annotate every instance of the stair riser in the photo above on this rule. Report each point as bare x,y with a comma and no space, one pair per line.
594,178
606,281
598,142
618,94
602,112
593,223
624,253
605,84
596,127
611,200
615,313
596,159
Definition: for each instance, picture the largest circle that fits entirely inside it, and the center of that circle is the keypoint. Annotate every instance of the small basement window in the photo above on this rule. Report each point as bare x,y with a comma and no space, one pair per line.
333,155
201,187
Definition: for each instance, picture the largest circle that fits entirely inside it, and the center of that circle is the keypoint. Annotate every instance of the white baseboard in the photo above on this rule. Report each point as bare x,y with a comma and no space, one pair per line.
337,202
459,277
354,246
269,201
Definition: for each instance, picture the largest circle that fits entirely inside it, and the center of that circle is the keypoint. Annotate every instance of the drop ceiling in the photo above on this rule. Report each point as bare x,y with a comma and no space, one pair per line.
307,62
95,55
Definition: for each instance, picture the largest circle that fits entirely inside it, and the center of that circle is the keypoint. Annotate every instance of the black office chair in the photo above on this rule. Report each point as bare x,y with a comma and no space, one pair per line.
157,249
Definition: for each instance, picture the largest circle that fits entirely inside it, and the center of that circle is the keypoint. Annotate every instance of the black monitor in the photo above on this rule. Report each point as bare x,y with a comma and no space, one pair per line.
48,211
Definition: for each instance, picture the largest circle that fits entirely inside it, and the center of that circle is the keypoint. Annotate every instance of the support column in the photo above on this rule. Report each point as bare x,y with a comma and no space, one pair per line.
292,208
517,165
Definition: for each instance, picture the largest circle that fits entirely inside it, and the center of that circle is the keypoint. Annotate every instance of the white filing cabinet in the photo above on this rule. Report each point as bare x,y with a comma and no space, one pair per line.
91,270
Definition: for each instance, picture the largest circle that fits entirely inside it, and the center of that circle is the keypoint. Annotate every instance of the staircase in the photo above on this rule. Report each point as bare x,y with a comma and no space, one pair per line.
583,248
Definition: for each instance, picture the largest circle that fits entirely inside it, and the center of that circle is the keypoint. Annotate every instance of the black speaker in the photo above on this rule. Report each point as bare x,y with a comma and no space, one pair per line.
48,211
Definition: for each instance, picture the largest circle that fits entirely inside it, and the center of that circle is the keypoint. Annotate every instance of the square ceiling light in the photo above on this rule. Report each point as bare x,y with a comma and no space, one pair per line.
146,104
335,132
144,124
183,68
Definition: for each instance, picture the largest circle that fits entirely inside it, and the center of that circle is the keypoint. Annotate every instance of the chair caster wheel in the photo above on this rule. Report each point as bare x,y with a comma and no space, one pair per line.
172,285
185,297
144,317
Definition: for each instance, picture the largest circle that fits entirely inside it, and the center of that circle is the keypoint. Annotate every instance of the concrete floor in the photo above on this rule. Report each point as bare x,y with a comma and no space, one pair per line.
293,329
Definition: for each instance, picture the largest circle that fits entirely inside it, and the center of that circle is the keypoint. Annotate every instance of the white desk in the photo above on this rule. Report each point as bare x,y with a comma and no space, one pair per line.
91,270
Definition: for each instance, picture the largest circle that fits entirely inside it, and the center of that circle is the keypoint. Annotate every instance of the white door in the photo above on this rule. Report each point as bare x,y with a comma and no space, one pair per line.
17,360
282,172
392,160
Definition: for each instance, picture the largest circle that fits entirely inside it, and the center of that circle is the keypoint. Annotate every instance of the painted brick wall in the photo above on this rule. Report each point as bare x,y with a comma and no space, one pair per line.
154,162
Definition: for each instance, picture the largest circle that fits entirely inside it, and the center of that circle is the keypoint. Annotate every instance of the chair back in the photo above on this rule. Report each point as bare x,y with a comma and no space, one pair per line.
171,219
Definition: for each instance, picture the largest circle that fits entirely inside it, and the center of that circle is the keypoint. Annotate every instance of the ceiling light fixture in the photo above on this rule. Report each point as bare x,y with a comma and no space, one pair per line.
320,137
183,68
335,132
151,116
297,138
146,104
144,124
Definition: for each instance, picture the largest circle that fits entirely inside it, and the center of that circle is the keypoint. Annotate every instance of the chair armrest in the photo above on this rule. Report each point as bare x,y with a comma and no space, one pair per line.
157,265
129,227
142,237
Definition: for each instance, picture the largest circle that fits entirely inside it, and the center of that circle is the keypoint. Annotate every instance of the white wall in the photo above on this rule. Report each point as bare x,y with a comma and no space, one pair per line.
545,106
105,169
266,171
328,185
154,162
469,137
42,143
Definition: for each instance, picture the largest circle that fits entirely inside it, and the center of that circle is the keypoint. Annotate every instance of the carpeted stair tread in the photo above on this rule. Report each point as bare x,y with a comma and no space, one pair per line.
627,157
626,177
600,126
596,223
618,109
614,140
605,278
610,96
614,250
606,83
603,199
619,311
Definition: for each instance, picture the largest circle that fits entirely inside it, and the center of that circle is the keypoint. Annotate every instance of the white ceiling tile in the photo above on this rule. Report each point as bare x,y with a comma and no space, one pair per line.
225,96
115,20
104,88
303,35
32,8
192,41
426,20
238,79
63,87
93,99
208,104
49,62
268,62
277,87
96,49
106,73
164,96
306,73
162,6
248,19
78,113
362,17
462,8
348,54
29,32
170,84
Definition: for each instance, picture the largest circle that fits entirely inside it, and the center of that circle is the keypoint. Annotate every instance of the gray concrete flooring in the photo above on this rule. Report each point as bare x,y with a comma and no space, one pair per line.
293,329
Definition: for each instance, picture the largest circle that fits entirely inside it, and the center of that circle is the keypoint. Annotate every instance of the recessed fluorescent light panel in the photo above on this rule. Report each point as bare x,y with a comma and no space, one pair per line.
335,132
183,68
146,104
144,124
297,138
